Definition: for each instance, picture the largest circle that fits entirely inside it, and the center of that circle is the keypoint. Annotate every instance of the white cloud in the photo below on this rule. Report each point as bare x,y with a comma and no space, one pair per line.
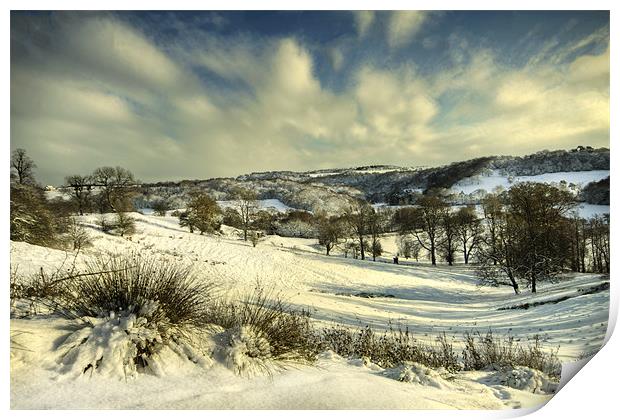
395,106
404,26
516,111
114,97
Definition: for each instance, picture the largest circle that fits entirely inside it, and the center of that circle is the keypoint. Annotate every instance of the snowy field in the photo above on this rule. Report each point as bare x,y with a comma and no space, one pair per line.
427,300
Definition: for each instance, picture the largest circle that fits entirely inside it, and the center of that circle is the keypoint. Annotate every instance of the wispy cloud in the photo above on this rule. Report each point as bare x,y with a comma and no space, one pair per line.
363,21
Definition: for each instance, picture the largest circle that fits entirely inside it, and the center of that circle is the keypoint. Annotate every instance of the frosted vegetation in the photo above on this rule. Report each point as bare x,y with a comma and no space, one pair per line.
273,284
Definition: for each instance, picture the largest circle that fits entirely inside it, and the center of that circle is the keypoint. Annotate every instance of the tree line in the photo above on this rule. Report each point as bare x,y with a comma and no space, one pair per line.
519,237
49,222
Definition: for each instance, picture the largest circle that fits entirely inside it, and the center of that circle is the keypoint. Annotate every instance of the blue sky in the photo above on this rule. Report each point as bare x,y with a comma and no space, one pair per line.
178,95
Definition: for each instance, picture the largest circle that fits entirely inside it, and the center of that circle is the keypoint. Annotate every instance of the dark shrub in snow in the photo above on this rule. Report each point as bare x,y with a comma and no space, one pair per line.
32,220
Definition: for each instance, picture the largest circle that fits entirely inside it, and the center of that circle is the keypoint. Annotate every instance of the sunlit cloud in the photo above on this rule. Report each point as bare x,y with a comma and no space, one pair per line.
96,90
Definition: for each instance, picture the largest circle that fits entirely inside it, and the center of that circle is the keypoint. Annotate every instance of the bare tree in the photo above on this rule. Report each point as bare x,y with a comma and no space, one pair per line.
493,218
245,202
114,184
532,236
77,234
82,188
449,240
539,211
376,221
357,220
578,243
597,231
23,167
498,256
125,224
427,220
468,230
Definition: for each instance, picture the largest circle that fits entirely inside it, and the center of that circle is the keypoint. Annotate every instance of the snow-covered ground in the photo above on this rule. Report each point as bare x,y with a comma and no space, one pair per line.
272,204
427,300
493,180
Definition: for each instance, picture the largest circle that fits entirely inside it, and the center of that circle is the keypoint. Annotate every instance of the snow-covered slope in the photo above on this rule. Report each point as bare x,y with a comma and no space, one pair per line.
489,182
427,300
271,204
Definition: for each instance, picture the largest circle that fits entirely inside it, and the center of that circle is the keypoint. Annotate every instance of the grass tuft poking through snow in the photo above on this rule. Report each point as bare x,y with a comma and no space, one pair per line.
396,349
261,333
131,309
484,351
390,349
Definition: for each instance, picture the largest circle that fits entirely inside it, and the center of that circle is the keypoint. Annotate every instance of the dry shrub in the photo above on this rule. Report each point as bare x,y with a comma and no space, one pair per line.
389,349
484,351
261,330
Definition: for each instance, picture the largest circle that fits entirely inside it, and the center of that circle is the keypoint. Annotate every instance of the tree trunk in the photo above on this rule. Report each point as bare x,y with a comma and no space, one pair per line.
515,285
465,254
362,255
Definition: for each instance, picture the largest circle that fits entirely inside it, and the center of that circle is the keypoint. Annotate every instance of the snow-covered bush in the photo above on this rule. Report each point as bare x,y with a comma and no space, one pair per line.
124,344
248,350
524,379
417,373
131,309
262,333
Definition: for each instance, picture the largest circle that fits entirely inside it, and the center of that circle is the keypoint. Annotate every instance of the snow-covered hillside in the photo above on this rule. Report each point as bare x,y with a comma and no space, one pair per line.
489,182
271,204
427,300
332,190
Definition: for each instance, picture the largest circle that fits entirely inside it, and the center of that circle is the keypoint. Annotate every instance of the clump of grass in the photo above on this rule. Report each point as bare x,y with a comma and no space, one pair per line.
483,351
261,330
115,284
391,348
143,303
